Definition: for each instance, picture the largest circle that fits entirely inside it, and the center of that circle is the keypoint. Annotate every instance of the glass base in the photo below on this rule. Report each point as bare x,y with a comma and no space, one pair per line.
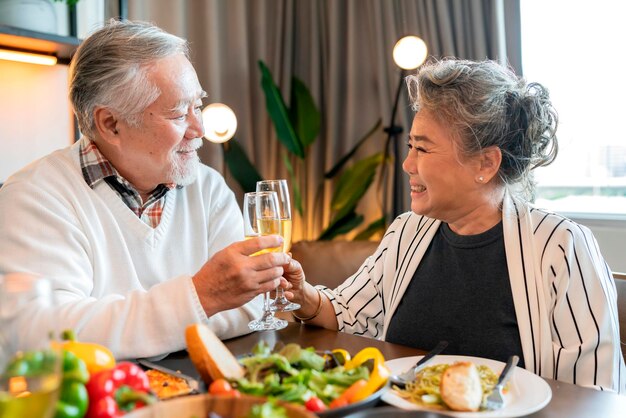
283,305
267,324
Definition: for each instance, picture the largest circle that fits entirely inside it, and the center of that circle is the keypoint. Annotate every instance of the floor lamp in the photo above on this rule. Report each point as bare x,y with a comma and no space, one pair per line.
408,53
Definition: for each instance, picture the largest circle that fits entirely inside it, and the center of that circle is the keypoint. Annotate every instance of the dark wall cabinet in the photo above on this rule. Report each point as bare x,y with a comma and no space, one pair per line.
62,47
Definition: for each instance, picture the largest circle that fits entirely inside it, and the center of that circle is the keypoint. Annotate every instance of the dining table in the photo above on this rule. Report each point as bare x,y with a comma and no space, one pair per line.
568,400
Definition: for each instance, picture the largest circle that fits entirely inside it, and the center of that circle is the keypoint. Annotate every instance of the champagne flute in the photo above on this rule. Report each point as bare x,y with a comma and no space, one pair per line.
30,371
261,216
281,303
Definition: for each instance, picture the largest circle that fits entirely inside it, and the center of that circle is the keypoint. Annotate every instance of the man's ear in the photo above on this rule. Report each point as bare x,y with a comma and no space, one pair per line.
106,124
490,160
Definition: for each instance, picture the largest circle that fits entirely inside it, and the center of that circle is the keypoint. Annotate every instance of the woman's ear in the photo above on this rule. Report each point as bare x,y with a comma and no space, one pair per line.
106,125
490,160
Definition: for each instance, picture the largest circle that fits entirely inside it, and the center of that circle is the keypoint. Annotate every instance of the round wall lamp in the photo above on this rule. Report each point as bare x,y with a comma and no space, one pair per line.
220,123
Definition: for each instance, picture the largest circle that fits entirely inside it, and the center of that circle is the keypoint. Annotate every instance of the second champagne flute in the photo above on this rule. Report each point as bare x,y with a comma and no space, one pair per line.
261,216
281,303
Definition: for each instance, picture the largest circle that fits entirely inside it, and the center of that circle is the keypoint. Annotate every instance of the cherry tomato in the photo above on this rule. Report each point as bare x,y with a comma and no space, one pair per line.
315,404
233,393
220,387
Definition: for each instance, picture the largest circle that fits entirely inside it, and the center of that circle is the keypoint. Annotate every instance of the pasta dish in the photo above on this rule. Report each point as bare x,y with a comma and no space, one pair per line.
426,389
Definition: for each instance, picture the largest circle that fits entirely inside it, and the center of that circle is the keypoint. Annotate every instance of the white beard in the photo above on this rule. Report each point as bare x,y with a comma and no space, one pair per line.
184,172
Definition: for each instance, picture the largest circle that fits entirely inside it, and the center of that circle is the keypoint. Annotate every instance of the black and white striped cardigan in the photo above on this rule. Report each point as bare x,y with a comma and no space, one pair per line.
563,292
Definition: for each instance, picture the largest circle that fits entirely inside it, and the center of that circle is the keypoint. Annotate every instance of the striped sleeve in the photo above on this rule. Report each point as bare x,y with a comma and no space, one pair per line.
583,312
358,302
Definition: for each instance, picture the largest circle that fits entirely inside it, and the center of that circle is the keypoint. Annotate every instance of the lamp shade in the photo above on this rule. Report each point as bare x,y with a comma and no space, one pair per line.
410,52
220,122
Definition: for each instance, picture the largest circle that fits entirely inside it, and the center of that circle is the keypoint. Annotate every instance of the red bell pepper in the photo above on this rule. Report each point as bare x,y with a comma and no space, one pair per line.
115,391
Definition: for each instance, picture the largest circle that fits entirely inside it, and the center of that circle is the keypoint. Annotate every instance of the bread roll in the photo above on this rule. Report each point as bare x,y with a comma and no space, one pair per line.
460,387
212,358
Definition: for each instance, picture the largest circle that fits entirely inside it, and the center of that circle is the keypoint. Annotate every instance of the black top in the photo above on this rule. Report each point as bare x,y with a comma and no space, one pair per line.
460,293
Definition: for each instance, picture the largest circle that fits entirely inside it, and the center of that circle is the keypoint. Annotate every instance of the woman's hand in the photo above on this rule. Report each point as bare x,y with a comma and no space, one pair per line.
316,308
294,275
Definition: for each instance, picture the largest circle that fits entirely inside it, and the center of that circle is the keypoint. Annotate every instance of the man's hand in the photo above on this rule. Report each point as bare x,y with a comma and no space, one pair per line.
232,278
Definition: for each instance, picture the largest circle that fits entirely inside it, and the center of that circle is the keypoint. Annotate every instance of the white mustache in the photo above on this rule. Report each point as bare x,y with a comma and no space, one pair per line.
191,145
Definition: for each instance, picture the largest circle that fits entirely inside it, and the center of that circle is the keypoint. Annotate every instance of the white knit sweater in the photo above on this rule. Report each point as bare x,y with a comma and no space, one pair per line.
117,281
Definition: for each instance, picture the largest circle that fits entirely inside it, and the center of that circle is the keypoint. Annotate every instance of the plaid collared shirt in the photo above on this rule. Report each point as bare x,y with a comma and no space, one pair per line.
97,168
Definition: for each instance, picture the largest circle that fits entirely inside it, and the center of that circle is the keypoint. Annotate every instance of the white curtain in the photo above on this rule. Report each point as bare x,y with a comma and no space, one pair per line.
341,49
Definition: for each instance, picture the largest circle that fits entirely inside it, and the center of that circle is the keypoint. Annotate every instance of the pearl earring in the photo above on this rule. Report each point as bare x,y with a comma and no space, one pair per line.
481,179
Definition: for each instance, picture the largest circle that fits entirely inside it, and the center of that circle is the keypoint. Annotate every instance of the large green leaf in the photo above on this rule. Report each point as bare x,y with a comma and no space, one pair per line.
297,196
278,113
343,225
378,225
333,171
353,184
304,115
240,166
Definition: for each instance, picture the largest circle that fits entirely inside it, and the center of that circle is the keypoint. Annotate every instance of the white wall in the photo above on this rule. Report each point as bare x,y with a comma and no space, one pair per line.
35,114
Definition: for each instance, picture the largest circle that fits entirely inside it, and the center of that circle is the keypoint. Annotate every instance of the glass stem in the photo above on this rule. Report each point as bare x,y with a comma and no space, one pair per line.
266,301
267,312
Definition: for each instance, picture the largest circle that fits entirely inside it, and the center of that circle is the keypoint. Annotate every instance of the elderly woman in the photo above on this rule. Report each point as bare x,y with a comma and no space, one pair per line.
474,263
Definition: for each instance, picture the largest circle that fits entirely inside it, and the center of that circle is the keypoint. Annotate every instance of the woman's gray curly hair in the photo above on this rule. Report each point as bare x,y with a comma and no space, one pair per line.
110,69
486,105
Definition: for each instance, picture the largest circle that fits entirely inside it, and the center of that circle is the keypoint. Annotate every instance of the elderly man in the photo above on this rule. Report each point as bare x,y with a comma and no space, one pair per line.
139,237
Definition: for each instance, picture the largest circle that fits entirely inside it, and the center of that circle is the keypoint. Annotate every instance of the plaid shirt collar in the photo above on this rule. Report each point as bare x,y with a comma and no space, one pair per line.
96,168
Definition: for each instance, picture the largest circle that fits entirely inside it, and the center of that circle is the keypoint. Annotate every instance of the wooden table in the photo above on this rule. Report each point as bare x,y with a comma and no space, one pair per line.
568,401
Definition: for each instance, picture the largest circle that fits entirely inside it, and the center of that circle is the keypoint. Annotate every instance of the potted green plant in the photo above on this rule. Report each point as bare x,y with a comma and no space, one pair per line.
297,128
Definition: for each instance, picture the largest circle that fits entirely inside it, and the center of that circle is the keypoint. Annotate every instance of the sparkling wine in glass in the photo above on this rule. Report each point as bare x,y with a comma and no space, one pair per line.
30,369
281,303
261,216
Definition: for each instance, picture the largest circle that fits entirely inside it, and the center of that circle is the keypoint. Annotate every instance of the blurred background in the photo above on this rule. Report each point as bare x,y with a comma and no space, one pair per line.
341,52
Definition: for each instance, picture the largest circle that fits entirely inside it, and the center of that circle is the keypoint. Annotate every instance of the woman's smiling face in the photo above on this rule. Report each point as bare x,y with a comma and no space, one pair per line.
443,182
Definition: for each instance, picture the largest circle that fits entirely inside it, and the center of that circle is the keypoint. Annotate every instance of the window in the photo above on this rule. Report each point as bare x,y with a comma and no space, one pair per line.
576,50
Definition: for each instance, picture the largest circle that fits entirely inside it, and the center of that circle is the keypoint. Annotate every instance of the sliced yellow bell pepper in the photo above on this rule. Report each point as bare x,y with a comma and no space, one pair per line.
341,355
378,375
97,357
369,353
378,378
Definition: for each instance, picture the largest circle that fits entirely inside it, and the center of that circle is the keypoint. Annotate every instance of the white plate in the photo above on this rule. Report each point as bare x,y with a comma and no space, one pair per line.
527,392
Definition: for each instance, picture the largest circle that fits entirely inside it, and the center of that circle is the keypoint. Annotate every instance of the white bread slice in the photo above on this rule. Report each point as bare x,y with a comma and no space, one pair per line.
460,387
212,358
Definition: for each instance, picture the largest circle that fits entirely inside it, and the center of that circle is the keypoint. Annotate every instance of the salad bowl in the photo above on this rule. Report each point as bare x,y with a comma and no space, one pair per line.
295,374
